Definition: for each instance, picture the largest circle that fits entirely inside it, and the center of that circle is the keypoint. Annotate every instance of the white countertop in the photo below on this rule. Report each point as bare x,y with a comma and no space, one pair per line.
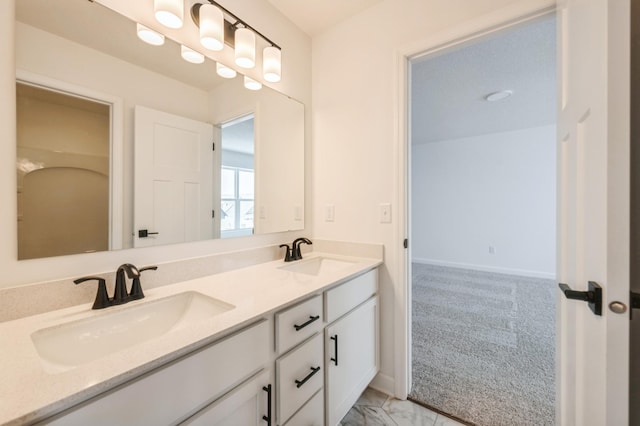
29,393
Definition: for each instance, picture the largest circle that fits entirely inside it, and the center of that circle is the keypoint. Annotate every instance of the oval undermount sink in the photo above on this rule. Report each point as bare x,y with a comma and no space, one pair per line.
317,265
68,345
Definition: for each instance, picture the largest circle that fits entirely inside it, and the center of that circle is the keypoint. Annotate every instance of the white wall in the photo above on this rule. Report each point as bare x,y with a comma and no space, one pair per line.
492,190
356,129
296,83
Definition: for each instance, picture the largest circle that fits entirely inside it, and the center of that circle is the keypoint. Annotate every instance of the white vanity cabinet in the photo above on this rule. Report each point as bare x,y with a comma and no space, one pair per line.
351,343
175,392
305,364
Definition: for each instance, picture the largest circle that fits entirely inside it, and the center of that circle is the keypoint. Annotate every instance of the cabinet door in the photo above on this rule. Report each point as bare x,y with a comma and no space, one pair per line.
248,404
351,357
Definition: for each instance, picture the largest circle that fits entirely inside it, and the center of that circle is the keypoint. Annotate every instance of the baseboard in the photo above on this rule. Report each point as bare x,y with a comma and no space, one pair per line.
384,384
485,268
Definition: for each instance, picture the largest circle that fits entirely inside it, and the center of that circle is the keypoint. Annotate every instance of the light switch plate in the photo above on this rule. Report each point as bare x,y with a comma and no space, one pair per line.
329,213
385,213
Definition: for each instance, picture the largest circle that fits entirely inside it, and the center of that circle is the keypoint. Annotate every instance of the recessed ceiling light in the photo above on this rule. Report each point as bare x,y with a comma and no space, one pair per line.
498,96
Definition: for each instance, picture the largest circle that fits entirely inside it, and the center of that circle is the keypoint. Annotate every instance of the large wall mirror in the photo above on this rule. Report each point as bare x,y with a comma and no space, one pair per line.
121,144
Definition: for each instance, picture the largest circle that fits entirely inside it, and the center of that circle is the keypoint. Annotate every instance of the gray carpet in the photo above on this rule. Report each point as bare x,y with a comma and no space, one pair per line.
484,346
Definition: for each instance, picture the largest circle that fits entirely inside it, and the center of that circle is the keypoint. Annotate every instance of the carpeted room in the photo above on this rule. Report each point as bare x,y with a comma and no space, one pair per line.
483,229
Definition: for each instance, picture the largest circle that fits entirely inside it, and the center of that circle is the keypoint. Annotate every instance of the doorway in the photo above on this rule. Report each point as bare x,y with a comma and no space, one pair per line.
483,161
237,177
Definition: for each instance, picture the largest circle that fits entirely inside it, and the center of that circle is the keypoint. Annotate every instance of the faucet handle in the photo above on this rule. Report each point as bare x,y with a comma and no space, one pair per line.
287,254
102,298
136,289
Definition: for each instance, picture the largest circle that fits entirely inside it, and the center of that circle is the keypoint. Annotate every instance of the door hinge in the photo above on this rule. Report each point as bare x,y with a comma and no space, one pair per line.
406,243
634,301
213,213
213,146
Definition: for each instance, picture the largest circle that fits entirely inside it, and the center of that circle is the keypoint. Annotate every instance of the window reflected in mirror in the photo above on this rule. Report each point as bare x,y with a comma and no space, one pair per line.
237,178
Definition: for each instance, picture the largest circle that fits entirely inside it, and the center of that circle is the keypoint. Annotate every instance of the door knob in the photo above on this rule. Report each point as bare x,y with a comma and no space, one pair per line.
144,233
618,307
593,296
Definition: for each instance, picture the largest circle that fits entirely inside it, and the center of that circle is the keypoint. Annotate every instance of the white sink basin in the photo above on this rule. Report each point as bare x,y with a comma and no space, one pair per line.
317,265
66,346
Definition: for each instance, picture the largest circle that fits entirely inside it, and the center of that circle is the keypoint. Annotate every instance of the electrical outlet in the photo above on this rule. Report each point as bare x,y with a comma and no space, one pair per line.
492,250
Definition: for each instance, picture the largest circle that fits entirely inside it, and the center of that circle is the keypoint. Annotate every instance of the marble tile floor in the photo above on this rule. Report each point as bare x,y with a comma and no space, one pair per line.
377,409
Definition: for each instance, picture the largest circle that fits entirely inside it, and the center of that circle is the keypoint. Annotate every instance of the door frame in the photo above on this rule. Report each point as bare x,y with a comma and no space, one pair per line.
116,143
455,36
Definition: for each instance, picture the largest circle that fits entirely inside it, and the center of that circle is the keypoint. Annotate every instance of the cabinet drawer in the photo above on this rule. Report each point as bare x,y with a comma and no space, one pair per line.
245,405
299,375
345,297
296,324
172,393
312,414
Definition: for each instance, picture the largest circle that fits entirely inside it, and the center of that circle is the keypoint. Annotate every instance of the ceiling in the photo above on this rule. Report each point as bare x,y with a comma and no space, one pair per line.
448,89
238,135
313,16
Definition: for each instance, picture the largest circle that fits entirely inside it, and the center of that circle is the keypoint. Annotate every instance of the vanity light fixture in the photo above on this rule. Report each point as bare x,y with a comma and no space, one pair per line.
251,84
240,36
224,71
245,48
169,13
191,55
271,64
211,27
149,36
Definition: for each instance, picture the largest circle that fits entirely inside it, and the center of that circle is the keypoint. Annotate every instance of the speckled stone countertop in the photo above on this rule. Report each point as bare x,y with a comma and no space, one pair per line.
29,393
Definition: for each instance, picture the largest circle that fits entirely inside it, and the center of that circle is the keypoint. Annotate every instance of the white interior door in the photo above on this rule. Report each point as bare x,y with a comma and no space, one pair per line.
173,179
593,202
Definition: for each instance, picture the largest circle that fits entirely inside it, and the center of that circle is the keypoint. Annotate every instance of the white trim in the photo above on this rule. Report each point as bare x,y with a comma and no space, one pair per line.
516,13
383,383
116,161
487,268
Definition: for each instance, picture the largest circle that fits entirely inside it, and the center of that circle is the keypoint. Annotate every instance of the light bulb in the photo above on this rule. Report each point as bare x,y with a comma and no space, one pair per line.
169,13
251,84
191,55
224,71
271,64
149,36
211,27
245,48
